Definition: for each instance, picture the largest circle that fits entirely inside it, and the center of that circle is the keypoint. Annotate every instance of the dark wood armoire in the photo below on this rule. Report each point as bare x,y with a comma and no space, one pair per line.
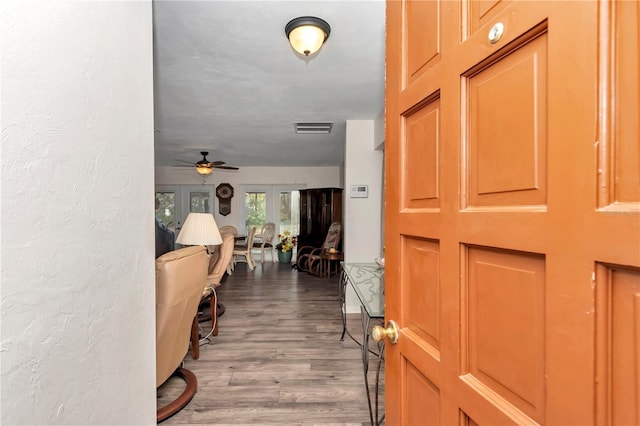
319,208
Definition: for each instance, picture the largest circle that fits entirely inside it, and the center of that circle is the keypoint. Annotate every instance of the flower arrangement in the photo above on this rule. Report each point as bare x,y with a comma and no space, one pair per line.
287,241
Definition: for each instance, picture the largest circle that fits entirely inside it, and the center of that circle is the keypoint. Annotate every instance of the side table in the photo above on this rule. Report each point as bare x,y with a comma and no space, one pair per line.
325,263
208,294
367,280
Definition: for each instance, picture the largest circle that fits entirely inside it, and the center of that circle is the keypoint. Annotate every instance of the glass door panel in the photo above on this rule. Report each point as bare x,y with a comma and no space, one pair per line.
200,202
175,202
289,212
289,217
166,208
255,207
169,209
196,199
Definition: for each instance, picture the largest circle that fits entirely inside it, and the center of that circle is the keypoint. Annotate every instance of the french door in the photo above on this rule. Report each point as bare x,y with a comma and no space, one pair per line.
175,202
279,204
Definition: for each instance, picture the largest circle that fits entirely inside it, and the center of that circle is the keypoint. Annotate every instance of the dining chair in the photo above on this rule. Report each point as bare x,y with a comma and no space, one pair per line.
266,241
229,229
244,250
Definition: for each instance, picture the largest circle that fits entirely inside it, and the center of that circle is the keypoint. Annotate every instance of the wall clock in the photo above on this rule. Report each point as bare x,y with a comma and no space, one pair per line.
224,192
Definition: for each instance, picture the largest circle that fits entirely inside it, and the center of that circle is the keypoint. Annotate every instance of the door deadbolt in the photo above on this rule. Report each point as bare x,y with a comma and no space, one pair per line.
495,33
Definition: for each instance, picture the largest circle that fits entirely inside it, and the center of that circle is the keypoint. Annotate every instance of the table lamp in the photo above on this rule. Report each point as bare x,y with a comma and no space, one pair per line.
200,229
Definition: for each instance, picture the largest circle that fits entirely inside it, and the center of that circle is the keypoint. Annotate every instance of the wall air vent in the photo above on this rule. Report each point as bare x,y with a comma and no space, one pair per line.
313,128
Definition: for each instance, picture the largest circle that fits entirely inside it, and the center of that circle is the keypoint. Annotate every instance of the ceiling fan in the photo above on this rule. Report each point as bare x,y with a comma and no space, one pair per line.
204,166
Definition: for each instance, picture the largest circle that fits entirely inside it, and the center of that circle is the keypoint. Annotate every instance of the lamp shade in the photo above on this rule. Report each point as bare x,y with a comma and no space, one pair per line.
307,34
204,170
200,229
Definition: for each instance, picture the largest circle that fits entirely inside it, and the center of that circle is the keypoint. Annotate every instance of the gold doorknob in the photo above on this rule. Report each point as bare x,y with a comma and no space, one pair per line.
390,332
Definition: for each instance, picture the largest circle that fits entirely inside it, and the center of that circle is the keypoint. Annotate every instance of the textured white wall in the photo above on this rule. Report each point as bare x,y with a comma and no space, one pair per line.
77,295
303,177
362,224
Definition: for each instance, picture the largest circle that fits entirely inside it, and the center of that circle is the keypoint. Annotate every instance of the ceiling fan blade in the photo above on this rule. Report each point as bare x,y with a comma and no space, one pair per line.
183,165
226,167
185,161
205,163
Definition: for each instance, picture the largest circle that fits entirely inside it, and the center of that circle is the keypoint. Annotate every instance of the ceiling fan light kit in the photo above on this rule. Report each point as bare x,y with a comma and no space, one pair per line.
307,34
205,167
203,170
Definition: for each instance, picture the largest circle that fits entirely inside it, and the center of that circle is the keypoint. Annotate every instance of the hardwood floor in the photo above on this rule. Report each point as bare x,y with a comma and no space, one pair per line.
278,358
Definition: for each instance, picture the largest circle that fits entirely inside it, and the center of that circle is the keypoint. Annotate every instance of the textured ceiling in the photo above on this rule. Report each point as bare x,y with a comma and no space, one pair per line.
228,82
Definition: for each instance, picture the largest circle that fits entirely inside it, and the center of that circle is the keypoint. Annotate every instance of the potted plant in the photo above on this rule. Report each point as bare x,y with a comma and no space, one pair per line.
285,246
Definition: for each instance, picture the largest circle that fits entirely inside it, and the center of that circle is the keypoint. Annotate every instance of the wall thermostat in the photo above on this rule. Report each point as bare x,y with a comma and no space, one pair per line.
359,191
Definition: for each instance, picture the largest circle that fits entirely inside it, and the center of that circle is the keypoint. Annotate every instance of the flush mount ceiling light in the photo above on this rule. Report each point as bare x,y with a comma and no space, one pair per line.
307,34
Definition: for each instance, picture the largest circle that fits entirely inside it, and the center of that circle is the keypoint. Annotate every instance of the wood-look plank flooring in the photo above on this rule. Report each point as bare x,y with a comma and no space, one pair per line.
277,358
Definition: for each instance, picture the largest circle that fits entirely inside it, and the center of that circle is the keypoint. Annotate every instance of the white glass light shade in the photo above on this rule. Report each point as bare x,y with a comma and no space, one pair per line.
204,170
307,39
307,34
200,229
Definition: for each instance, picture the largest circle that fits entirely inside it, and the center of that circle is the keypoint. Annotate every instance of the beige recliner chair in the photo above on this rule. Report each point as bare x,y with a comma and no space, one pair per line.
180,278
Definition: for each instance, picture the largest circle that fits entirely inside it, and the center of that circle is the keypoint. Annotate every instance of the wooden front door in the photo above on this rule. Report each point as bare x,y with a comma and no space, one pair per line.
513,225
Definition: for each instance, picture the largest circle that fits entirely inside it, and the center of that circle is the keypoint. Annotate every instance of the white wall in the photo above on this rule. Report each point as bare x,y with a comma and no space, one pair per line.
77,295
379,131
362,224
302,177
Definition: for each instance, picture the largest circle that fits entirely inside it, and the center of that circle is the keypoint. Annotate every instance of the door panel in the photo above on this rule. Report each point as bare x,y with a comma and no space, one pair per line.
200,201
504,327
422,293
421,149
481,12
255,210
167,209
180,200
513,212
506,128
618,330
423,402
288,202
423,42
620,152
465,420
